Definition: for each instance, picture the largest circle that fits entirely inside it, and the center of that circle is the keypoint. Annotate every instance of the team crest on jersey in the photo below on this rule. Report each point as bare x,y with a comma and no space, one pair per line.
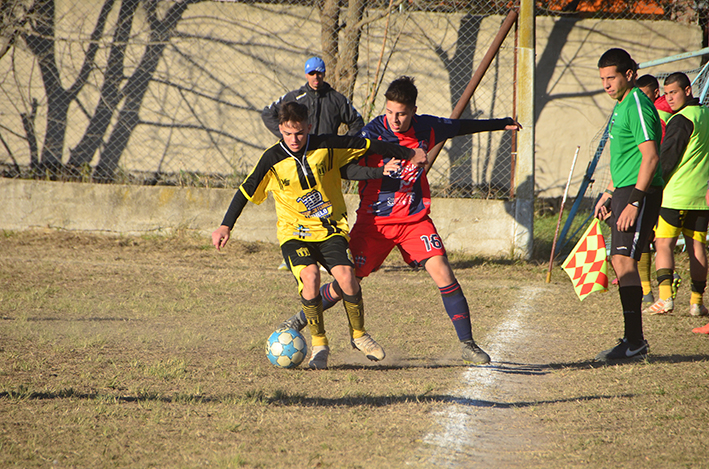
315,205
303,252
285,182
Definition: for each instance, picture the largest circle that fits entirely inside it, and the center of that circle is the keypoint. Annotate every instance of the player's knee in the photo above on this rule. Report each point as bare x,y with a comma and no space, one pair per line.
310,276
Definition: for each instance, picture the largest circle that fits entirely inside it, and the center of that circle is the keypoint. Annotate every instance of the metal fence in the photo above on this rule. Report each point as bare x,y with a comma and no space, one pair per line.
170,92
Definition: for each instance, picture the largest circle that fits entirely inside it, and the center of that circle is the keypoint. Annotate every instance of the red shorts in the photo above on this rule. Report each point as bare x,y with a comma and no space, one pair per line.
371,244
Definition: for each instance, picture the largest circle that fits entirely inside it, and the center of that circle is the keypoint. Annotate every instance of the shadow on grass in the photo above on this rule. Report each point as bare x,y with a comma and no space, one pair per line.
457,263
649,359
33,319
413,363
280,398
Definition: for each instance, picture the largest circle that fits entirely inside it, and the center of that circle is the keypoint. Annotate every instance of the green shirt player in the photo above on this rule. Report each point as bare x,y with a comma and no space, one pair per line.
634,193
685,165
303,172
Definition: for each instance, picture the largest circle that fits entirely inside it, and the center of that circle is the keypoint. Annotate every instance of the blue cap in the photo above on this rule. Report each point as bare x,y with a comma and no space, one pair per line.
314,64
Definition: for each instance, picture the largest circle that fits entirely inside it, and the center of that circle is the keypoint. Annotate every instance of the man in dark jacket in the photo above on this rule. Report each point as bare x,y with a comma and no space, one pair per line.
327,108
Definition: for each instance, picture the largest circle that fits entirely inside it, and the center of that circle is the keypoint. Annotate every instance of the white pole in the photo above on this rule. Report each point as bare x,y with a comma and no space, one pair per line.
561,212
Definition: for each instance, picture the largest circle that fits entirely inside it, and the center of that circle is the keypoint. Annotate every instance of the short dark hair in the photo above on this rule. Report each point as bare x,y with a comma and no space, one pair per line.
620,58
680,78
293,112
402,90
648,81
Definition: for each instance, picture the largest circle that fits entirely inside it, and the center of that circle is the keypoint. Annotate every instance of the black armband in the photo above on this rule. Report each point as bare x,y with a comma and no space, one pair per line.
609,192
636,197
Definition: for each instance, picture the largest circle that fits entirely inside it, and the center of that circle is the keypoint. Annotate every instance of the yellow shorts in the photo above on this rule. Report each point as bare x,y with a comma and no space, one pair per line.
691,223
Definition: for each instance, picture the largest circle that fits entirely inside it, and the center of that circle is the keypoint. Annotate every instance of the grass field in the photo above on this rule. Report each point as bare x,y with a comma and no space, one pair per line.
148,352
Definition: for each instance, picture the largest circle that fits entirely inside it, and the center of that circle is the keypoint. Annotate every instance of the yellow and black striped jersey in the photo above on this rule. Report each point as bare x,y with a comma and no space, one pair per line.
306,186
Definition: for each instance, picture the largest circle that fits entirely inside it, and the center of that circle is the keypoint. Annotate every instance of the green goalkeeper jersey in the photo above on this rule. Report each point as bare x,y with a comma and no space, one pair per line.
635,120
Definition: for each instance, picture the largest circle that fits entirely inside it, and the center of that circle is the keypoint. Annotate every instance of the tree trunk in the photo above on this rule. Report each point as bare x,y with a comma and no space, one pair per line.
349,54
329,29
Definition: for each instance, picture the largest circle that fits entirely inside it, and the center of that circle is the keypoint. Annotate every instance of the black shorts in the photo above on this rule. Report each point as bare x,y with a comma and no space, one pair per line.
691,223
632,242
332,252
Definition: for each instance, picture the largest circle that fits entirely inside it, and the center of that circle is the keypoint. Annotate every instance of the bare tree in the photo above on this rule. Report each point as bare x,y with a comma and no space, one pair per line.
340,43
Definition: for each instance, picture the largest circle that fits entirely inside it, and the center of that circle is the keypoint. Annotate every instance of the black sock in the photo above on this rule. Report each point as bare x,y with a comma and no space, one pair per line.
631,299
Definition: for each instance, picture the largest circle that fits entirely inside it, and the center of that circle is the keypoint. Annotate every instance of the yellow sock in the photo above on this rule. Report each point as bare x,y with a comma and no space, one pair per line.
314,316
355,314
696,299
664,278
644,270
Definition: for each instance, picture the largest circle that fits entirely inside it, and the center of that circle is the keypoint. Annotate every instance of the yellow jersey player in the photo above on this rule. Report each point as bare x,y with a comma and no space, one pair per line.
303,172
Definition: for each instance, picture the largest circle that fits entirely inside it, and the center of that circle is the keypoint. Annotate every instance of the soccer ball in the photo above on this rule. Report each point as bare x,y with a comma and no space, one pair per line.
286,348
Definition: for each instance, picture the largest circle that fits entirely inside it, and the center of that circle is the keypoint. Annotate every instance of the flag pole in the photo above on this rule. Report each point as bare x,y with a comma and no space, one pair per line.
561,212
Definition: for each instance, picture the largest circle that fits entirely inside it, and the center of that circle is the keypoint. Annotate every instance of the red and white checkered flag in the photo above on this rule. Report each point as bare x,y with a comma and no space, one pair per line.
587,265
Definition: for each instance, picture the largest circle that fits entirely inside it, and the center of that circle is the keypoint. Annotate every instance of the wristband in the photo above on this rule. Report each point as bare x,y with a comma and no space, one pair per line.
636,197
609,192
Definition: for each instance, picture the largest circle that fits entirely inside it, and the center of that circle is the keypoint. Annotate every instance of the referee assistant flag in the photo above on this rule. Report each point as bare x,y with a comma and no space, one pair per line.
586,265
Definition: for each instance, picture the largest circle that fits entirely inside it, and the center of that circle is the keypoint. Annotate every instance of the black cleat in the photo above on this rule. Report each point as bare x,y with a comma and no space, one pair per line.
624,351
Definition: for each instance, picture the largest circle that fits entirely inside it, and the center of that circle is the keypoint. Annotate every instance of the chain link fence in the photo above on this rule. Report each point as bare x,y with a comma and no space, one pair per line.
170,92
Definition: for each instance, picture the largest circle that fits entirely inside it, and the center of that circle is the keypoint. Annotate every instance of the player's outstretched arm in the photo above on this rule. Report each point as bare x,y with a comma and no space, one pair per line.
472,126
220,236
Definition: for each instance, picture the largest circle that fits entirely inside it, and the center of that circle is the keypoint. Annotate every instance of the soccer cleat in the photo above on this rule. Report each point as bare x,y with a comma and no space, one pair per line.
676,282
698,310
297,322
369,347
472,354
661,307
318,360
624,350
701,330
648,300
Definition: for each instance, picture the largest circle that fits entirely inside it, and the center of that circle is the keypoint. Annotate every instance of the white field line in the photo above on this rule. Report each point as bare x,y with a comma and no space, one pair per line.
464,426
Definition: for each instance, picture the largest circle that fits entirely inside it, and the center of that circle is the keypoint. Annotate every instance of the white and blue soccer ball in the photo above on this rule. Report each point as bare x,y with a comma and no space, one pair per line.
286,348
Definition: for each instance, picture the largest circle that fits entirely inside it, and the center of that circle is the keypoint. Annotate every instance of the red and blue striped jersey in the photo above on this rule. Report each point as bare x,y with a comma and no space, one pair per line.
404,197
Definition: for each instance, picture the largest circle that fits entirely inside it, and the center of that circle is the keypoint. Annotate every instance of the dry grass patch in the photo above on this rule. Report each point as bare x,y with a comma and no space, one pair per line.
148,352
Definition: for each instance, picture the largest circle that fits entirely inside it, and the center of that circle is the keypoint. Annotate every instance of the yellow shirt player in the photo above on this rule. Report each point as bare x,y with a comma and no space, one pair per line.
304,173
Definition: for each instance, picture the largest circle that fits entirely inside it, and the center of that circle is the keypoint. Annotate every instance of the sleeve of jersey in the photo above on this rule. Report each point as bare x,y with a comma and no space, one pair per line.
252,189
350,149
471,126
355,172
677,134
646,126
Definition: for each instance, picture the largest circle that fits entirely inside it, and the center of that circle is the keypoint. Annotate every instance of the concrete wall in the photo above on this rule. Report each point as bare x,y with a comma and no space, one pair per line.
471,226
